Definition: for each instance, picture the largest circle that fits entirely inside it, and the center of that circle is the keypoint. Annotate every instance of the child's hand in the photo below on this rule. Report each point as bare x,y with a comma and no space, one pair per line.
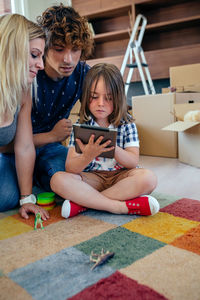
93,148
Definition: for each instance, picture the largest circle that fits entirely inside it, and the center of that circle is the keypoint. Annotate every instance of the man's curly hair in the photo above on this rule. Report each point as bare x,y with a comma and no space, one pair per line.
64,26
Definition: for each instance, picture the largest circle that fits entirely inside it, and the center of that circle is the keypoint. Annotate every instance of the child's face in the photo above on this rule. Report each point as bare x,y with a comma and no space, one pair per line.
101,102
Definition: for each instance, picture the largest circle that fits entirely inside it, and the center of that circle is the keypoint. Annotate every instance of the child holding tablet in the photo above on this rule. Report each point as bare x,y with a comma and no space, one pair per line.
116,185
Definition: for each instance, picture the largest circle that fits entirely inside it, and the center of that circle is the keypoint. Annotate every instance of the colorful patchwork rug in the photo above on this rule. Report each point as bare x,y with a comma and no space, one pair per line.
155,257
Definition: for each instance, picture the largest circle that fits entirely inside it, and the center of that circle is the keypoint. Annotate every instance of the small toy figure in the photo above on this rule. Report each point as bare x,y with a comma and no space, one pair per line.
101,258
39,221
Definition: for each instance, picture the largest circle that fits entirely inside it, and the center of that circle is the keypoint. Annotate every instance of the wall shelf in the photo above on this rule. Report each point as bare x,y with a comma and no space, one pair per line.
174,23
109,12
171,37
114,35
112,22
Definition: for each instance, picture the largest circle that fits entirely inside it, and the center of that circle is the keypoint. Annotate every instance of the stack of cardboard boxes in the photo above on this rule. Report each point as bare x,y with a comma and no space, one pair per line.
153,114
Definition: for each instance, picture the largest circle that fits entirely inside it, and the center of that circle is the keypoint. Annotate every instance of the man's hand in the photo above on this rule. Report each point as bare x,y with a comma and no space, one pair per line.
62,130
33,208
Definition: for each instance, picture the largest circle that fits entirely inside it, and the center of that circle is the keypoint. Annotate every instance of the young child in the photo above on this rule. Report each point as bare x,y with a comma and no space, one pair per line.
115,185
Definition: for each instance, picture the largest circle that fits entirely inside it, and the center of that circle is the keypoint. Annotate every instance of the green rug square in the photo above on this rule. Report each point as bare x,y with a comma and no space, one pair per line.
128,246
164,199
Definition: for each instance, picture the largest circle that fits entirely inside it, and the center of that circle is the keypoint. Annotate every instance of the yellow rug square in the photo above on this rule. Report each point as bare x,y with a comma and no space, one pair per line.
162,226
10,227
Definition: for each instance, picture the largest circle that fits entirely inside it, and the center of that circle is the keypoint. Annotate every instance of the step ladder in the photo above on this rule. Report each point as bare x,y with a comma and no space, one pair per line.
134,51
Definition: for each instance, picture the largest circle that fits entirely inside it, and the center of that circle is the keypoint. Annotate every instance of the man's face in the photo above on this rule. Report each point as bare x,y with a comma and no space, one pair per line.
61,61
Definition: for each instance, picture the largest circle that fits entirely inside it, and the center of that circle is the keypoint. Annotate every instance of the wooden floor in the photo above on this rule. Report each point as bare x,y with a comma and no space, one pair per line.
174,178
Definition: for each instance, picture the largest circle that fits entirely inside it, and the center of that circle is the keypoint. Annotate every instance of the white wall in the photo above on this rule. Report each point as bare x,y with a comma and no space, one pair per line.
33,8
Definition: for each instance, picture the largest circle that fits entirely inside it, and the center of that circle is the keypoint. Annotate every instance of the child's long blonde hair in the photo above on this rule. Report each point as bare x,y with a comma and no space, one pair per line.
15,33
114,86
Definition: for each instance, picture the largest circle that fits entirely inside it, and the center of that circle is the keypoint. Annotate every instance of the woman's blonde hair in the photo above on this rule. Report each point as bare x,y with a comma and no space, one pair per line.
15,33
114,86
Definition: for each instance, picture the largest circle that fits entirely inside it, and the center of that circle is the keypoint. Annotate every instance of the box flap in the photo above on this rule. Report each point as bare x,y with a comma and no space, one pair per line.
181,109
180,126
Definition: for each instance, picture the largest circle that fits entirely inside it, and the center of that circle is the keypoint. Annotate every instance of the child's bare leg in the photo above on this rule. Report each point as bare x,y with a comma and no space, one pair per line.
70,186
138,182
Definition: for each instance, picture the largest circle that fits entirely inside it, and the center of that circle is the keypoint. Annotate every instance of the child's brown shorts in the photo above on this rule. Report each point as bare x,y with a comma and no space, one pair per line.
101,180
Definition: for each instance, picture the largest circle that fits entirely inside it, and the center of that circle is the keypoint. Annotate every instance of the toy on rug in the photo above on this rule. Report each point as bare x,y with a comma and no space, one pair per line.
46,200
38,221
101,258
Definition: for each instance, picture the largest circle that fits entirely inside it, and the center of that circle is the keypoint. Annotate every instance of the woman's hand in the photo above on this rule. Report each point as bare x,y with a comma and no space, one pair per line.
33,208
94,148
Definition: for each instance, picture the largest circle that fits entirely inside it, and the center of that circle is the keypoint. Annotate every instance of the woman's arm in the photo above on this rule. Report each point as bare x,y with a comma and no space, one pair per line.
24,148
25,155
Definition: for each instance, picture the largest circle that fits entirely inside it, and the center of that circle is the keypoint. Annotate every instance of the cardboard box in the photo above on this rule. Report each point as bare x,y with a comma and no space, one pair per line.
166,90
74,115
185,78
151,114
188,134
192,88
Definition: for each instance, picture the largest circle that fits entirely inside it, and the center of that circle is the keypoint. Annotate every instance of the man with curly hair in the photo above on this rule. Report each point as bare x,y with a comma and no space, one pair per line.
69,43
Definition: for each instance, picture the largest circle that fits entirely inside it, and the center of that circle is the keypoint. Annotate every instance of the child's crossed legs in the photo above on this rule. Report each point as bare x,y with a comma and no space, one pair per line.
102,190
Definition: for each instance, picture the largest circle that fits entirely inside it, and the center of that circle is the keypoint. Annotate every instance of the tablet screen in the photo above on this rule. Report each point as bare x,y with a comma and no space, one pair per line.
83,132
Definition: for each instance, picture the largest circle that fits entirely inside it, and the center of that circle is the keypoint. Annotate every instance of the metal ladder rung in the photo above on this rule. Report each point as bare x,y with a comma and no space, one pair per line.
136,66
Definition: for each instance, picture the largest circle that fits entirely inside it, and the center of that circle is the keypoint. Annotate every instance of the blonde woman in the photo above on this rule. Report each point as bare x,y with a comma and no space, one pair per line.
22,45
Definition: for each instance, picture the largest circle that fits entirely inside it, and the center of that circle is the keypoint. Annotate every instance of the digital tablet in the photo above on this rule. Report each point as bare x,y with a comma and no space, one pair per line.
83,132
